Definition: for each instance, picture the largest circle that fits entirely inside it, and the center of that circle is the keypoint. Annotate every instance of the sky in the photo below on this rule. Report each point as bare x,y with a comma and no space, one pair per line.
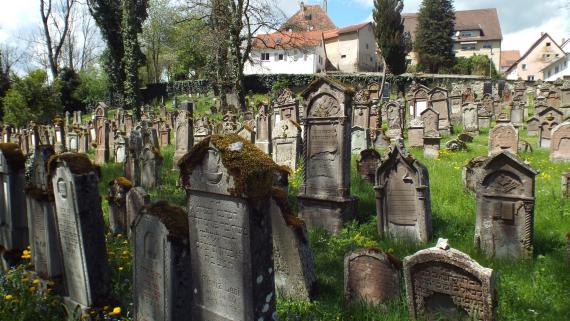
522,21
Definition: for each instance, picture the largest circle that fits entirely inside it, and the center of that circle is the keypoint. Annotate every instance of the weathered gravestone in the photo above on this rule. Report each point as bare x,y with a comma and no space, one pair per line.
14,224
202,129
395,119
361,110
81,230
419,101
549,118
183,132
359,139
379,138
324,195
416,133
117,198
73,141
136,199
517,113
456,101
403,204
367,164
371,276
46,254
132,166
503,137
565,185
431,135
286,144
532,126
151,161
560,143
439,102
471,172
228,183
162,282
470,118
102,141
263,129
164,134
285,107
505,207
445,284
120,149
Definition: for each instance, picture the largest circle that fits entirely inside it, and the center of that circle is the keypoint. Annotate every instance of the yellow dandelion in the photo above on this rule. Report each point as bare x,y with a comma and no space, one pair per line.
32,289
116,311
8,297
125,252
36,281
120,268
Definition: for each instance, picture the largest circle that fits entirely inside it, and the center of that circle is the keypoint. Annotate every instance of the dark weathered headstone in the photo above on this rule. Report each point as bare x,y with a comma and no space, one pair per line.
151,161
102,141
117,198
183,132
439,102
367,164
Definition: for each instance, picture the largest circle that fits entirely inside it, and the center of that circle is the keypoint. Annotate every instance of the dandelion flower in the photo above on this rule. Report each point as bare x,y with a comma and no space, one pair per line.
8,297
116,311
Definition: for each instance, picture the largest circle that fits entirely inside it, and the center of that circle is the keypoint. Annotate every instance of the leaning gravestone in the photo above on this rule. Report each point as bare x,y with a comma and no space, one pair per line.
14,227
403,196
505,207
228,184
324,196
560,143
46,255
117,198
136,199
503,137
287,146
162,284
183,131
372,276
445,284
81,230
367,164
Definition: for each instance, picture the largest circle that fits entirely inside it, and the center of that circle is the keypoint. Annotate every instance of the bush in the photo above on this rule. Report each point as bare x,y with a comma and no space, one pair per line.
92,88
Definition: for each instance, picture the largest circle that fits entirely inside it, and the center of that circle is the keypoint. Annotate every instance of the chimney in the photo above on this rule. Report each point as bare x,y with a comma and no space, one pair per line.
541,33
563,41
325,5
302,6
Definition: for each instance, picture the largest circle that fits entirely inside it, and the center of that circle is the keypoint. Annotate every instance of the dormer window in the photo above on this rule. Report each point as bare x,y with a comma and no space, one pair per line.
548,44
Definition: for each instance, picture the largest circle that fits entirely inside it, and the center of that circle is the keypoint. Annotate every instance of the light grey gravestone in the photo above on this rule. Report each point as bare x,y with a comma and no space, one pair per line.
431,134
286,106
230,229
132,166
117,198
367,163
371,276
549,118
14,227
472,171
59,143
81,230
361,109
456,101
324,197
505,207
263,129
419,101
73,141
503,137
151,161
120,149
395,119
445,284
102,149
532,126
439,102
359,139
136,199
484,117
247,132
162,279
416,133
379,138
560,143
403,202
470,118
517,113
230,123
44,240
295,275
202,128
183,132
286,144
84,140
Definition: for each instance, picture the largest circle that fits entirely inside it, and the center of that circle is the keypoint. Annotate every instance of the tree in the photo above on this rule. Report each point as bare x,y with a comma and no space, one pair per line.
434,42
56,17
69,81
390,36
83,45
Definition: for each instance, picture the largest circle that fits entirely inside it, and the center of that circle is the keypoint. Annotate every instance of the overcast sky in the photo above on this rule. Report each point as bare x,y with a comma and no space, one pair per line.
522,21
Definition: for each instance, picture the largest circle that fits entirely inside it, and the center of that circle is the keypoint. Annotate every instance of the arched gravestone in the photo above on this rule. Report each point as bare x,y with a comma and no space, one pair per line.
183,132
532,126
560,143
117,199
505,207
228,183
102,140
374,91
503,137
472,171
372,276
13,220
162,283
361,109
442,282
120,148
439,102
470,118
403,202
549,118
46,255
286,106
286,144
430,119
394,118
81,230
419,101
324,196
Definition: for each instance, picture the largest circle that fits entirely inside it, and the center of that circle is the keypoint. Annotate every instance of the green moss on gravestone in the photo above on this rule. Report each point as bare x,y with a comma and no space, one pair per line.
13,155
77,163
173,217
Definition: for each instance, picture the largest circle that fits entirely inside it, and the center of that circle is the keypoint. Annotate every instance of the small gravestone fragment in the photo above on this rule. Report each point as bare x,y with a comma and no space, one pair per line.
455,145
117,198
472,172
367,164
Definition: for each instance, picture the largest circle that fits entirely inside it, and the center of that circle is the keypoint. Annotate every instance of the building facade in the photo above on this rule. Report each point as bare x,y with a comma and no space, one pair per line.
544,52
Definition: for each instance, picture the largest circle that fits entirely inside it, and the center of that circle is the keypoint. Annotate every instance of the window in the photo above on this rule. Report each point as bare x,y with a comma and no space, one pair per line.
366,46
548,44
530,78
342,56
523,66
281,57
265,56
468,47
488,45
556,69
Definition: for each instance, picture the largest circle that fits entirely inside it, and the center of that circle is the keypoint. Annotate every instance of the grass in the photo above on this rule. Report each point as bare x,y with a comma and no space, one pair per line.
533,289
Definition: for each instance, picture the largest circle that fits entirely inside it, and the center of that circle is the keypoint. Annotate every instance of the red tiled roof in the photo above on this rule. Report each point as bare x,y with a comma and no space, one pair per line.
312,17
509,57
336,32
288,40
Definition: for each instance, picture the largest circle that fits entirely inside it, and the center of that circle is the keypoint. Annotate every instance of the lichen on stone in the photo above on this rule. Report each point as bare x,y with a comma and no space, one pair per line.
77,163
173,217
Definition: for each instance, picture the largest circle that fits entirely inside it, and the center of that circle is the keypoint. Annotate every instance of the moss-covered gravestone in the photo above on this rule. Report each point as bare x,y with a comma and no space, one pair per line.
136,199
117,198
81,230
151,161
228,183
162,281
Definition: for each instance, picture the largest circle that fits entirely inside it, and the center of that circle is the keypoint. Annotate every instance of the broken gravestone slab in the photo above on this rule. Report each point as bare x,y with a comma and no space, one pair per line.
367,164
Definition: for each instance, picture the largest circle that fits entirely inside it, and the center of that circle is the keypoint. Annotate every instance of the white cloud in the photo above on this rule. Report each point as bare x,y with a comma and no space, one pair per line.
17,16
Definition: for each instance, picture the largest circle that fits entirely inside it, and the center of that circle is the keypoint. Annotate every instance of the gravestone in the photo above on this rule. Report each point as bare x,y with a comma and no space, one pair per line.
445,284
470,118
456,101
247,132
419,101
505,207
102,141
286,143
547,124
550,113
359,139
375,119
202,128
46,255
439,102
286,106
367,163
430,119
488,104
532,126
59,144
361,110
164,134
73,141
13,218
403,196
136,199
324,196
503,137
162,282
120,149
471,173
151,161
416,133
517,113
183,131
565,185
395,119
263,129
560,143
371,276
374,91
81,230
132,166
230,229
468,95
117,199
379,138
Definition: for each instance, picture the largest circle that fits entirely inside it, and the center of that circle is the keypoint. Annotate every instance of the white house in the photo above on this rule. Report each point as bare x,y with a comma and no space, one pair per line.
558,69
352,48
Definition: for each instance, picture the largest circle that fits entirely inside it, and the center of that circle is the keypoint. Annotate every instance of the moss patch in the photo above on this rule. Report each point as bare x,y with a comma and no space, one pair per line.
13,155
396,262
124,182
78,164
173,217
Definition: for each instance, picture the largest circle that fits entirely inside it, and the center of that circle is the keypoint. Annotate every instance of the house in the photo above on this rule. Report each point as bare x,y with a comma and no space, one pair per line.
544,52
309,18
351,49
508,58
559,69
477,32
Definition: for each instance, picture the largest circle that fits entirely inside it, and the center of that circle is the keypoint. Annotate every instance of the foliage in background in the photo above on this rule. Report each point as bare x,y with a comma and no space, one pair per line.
69,82
393,43
92,88
478,65
434,32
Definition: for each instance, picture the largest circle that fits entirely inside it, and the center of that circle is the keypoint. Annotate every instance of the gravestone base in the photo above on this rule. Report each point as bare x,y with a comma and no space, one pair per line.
326,213
75,308
431,147
484,121
445,131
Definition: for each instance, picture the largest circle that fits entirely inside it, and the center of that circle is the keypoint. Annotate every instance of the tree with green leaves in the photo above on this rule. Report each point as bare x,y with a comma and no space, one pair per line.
434,42
390,35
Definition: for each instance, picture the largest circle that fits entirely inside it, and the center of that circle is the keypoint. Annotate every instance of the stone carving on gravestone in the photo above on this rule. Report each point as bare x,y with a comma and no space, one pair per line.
361,109
136,199
162,281
442,282
151,161
286,106
470,118
503,137
487,103
472,172
403,204
545,130
560,143
505,207
202,129
395,119
324,197
117,199
183,132
439,102
371,276
375,120
359,139
226,198
374,91
416,133
468,95
263,129
419,101
367,164
81,230
287,146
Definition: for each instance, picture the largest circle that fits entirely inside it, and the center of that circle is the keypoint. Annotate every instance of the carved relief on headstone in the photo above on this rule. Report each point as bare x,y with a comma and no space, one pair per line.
439,102
503,137
470,118
367,164
361,110
286,106
374,91
456,101
403,196
549,118
442,282
430,119
560,143
505,207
